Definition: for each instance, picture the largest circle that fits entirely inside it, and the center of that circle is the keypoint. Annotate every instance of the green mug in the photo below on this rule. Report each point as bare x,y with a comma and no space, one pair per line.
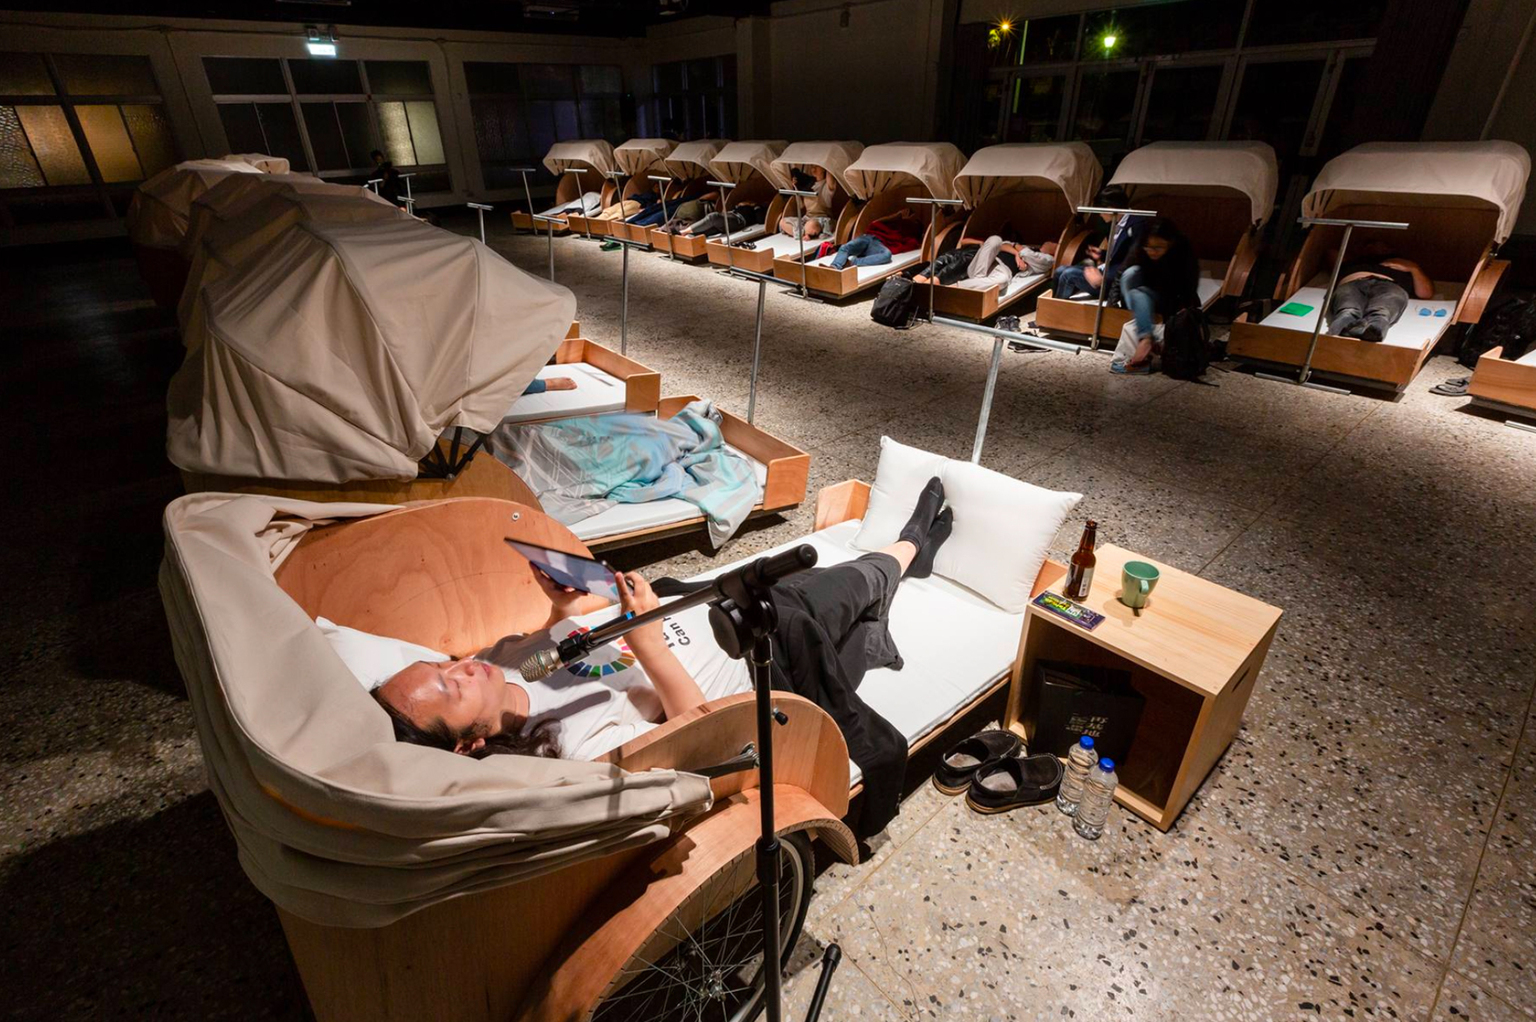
1137,580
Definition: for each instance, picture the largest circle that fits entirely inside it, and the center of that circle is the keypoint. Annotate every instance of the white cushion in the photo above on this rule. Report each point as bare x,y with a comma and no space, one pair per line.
899,480
374,658
1003,530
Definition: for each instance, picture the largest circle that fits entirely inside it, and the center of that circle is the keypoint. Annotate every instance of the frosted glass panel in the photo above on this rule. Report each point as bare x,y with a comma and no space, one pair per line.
151,134
17,167
100,74
54,145
429,144
397,135
23,74
108,138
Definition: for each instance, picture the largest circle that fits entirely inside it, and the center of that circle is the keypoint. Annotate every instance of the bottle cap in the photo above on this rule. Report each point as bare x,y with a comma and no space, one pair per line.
1107,765
1086,741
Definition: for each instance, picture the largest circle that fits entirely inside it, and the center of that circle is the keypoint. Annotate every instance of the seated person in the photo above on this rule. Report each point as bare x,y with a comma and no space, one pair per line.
390,184
832,628
818,208
1373,292
902,231
1103,263
1162,278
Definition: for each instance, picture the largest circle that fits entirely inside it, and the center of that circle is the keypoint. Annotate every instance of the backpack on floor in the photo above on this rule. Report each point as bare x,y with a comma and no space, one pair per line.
1509,322
896,304
1186,345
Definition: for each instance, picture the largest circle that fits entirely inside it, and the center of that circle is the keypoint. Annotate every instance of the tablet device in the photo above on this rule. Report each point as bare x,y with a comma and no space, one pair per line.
574,570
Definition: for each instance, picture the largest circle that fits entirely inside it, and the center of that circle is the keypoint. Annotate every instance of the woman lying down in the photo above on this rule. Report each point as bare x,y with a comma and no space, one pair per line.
832,628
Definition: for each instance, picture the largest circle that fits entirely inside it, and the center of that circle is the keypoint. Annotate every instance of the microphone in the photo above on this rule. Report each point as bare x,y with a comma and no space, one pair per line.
547,661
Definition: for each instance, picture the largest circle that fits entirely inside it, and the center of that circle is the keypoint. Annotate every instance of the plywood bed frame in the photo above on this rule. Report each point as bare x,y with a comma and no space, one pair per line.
544,949
1221,229
610,193
1033,215
756,188
1449,244
844,210
675,191
830,283
1504,385
642,384
568,189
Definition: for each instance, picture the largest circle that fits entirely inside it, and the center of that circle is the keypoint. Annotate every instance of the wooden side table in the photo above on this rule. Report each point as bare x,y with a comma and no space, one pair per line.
1194,653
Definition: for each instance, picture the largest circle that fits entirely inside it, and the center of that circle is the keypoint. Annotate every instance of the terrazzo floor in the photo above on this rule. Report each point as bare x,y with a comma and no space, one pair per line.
1363,850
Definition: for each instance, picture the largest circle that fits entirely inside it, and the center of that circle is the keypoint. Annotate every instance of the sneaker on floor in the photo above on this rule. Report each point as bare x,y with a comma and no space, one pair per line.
610,246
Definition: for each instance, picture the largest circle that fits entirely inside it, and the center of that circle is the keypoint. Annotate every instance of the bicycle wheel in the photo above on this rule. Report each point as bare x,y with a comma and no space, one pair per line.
705,961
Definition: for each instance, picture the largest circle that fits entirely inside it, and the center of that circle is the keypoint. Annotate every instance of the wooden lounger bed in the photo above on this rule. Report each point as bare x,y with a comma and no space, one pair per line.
695,247
596,226
568,189
820,278
1505,385
674,192
605,382
584,925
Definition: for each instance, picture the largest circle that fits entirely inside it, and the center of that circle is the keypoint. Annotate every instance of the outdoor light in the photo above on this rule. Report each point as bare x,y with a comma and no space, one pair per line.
1109,40
320,44
1004,27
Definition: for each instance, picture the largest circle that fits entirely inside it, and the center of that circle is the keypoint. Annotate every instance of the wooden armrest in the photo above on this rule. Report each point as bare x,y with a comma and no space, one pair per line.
841,502
1071,250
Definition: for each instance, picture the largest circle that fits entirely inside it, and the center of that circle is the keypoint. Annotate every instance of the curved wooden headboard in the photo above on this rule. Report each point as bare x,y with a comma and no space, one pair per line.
437,573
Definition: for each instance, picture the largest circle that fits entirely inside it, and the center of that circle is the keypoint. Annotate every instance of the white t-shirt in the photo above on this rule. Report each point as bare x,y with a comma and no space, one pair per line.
607,699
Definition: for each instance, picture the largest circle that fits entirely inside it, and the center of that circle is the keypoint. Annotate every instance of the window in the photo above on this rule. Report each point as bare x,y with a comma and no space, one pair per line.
1105,103
1180,102
80,129
1274,103
1313,21
520,110
694,98
1035,112
328,116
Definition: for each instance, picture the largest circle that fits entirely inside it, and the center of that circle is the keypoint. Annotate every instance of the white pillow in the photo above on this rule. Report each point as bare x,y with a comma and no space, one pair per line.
374,658
1003,530
899,480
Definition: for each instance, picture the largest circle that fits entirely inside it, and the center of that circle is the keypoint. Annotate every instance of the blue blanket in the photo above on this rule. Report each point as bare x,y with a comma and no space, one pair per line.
580,467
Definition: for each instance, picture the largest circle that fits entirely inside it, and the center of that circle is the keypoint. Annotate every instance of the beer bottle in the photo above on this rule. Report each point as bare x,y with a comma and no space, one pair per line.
1080,569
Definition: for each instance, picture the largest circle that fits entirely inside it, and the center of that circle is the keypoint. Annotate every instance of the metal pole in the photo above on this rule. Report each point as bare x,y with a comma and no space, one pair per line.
479,209
800,198
585,219
1114,225
408,198
665,216
549,222
373,183
1304,377
528,194
768,844
725,221
757,350
624,306
998,337
933,234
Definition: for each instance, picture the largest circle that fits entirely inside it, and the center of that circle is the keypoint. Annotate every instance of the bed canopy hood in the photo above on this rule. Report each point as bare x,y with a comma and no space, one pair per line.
1236,169
692,159
347,349
643,155
832,157
738,161
1067,168
581,154
160,210
880,168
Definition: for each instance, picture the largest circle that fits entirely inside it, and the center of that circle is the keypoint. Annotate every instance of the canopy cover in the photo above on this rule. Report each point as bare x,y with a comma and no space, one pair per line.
738,161
159,212
1248,168
346,349
582,154
832,157
1488,174
643,155
262,162
335,820
895,164
1067,167
692,159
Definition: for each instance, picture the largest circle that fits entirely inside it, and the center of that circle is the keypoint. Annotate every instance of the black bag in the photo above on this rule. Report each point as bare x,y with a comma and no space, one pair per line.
1072,700
896,304
1509,322
1186,345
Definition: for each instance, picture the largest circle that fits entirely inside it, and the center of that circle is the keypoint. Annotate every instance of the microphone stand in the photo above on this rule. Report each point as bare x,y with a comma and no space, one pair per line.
743,618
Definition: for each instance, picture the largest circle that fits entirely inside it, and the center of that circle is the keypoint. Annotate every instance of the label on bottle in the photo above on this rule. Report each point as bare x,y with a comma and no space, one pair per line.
1080,591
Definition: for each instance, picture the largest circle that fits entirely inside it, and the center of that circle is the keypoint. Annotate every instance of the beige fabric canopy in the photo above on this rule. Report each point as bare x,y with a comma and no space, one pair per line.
692,159
894,164
738,161
262,162
832,157
581,155
335,820
1247,168
643,155
1444,174
344,350
240,217
1070,168
159,212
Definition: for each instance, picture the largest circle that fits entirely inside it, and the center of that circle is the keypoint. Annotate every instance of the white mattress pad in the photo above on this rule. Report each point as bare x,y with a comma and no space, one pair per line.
1418,326
1206,287
596,393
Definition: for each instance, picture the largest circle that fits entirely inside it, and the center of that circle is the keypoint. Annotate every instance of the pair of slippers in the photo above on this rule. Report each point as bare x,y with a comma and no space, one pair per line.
995,774
1452,388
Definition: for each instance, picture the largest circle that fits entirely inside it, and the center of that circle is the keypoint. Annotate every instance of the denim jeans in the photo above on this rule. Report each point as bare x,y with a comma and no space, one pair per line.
1140,299
1365,308
865,250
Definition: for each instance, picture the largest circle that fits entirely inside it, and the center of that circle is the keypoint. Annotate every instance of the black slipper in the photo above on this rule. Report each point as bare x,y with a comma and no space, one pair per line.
1452,388
1014,783
961,763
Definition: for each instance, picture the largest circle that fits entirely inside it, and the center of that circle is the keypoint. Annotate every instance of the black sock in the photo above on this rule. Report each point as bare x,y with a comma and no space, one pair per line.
928,504
922,564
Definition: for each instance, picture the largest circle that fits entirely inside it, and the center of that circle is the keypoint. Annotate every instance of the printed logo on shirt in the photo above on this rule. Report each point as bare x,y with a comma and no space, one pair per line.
610,659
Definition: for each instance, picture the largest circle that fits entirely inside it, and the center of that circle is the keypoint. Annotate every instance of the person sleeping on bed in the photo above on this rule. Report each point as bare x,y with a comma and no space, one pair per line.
818,208
889,236
984,263
833,627
1373,291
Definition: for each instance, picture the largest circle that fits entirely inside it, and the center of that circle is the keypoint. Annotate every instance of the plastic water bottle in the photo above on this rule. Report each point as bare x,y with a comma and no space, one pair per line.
1098,794
1080,760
